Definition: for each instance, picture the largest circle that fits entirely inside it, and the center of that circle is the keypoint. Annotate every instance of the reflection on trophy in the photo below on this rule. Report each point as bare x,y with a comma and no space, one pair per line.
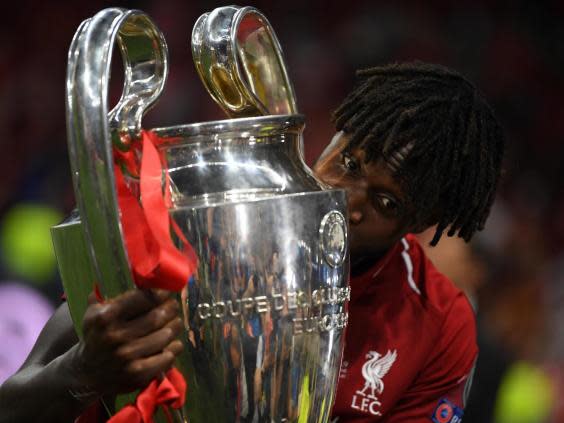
265,310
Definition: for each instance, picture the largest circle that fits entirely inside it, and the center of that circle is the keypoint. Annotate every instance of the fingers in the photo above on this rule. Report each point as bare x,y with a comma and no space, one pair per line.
98,316
175,347
153,343
140,372
149,322
137,302
102,325
132,336
124,307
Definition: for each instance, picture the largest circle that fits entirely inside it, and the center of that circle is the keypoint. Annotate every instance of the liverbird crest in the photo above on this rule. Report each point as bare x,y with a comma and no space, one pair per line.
374,370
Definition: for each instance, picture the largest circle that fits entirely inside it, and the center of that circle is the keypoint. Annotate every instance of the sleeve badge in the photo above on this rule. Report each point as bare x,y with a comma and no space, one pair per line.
447,412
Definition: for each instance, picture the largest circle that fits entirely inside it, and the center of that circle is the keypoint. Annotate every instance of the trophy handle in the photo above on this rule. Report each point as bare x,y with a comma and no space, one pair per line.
240,62
91,129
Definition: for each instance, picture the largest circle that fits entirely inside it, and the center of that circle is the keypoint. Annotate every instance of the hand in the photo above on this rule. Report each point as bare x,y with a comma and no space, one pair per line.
128,341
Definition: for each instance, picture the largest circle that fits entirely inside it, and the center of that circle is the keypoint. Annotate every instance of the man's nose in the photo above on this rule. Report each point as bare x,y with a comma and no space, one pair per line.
356,203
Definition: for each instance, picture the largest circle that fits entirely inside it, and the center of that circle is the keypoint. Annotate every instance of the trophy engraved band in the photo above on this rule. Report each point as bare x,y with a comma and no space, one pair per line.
265,311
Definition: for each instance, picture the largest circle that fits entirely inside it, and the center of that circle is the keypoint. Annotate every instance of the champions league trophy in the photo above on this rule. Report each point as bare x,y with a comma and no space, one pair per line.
266,308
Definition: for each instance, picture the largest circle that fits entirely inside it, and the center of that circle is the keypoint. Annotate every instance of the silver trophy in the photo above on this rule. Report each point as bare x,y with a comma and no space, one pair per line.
266,310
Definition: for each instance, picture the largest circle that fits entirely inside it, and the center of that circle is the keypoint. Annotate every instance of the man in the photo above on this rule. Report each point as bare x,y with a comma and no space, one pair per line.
416,146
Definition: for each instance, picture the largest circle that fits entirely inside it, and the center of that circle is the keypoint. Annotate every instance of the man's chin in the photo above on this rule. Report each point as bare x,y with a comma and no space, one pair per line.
363,254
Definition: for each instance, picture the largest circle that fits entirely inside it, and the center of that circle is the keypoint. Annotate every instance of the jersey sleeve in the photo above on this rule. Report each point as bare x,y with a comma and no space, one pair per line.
439,392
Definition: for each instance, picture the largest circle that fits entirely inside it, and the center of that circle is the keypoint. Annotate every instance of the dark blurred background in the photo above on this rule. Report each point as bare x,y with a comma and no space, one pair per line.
513,51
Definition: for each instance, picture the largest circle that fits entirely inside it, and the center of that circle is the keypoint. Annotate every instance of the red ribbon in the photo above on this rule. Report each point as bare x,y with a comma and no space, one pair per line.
156,262
170,391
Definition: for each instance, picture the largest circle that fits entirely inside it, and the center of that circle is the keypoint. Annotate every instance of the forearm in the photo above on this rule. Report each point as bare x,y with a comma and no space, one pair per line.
44,393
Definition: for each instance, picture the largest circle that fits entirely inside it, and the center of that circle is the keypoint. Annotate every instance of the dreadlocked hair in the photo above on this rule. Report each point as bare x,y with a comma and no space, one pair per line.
439,135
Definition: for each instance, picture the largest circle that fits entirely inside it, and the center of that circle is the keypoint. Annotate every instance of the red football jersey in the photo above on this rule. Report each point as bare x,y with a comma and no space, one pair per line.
410,343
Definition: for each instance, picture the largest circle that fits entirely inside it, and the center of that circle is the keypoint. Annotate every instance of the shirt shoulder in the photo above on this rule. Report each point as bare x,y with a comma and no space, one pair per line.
445,305
429,288
445,375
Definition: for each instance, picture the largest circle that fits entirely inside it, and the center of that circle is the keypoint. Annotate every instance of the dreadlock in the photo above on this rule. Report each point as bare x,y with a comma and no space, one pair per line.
438,134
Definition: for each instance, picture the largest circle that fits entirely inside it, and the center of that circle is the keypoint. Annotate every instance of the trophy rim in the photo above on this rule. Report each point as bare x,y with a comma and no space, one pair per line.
262,126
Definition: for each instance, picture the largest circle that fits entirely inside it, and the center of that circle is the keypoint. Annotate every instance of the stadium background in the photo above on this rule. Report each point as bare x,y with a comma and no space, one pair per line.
512,50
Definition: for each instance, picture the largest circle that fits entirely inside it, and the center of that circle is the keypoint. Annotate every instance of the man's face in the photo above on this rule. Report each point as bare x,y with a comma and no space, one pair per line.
378,209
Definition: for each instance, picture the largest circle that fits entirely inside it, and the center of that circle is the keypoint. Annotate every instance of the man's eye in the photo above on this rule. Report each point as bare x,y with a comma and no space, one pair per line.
350,163
386,204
